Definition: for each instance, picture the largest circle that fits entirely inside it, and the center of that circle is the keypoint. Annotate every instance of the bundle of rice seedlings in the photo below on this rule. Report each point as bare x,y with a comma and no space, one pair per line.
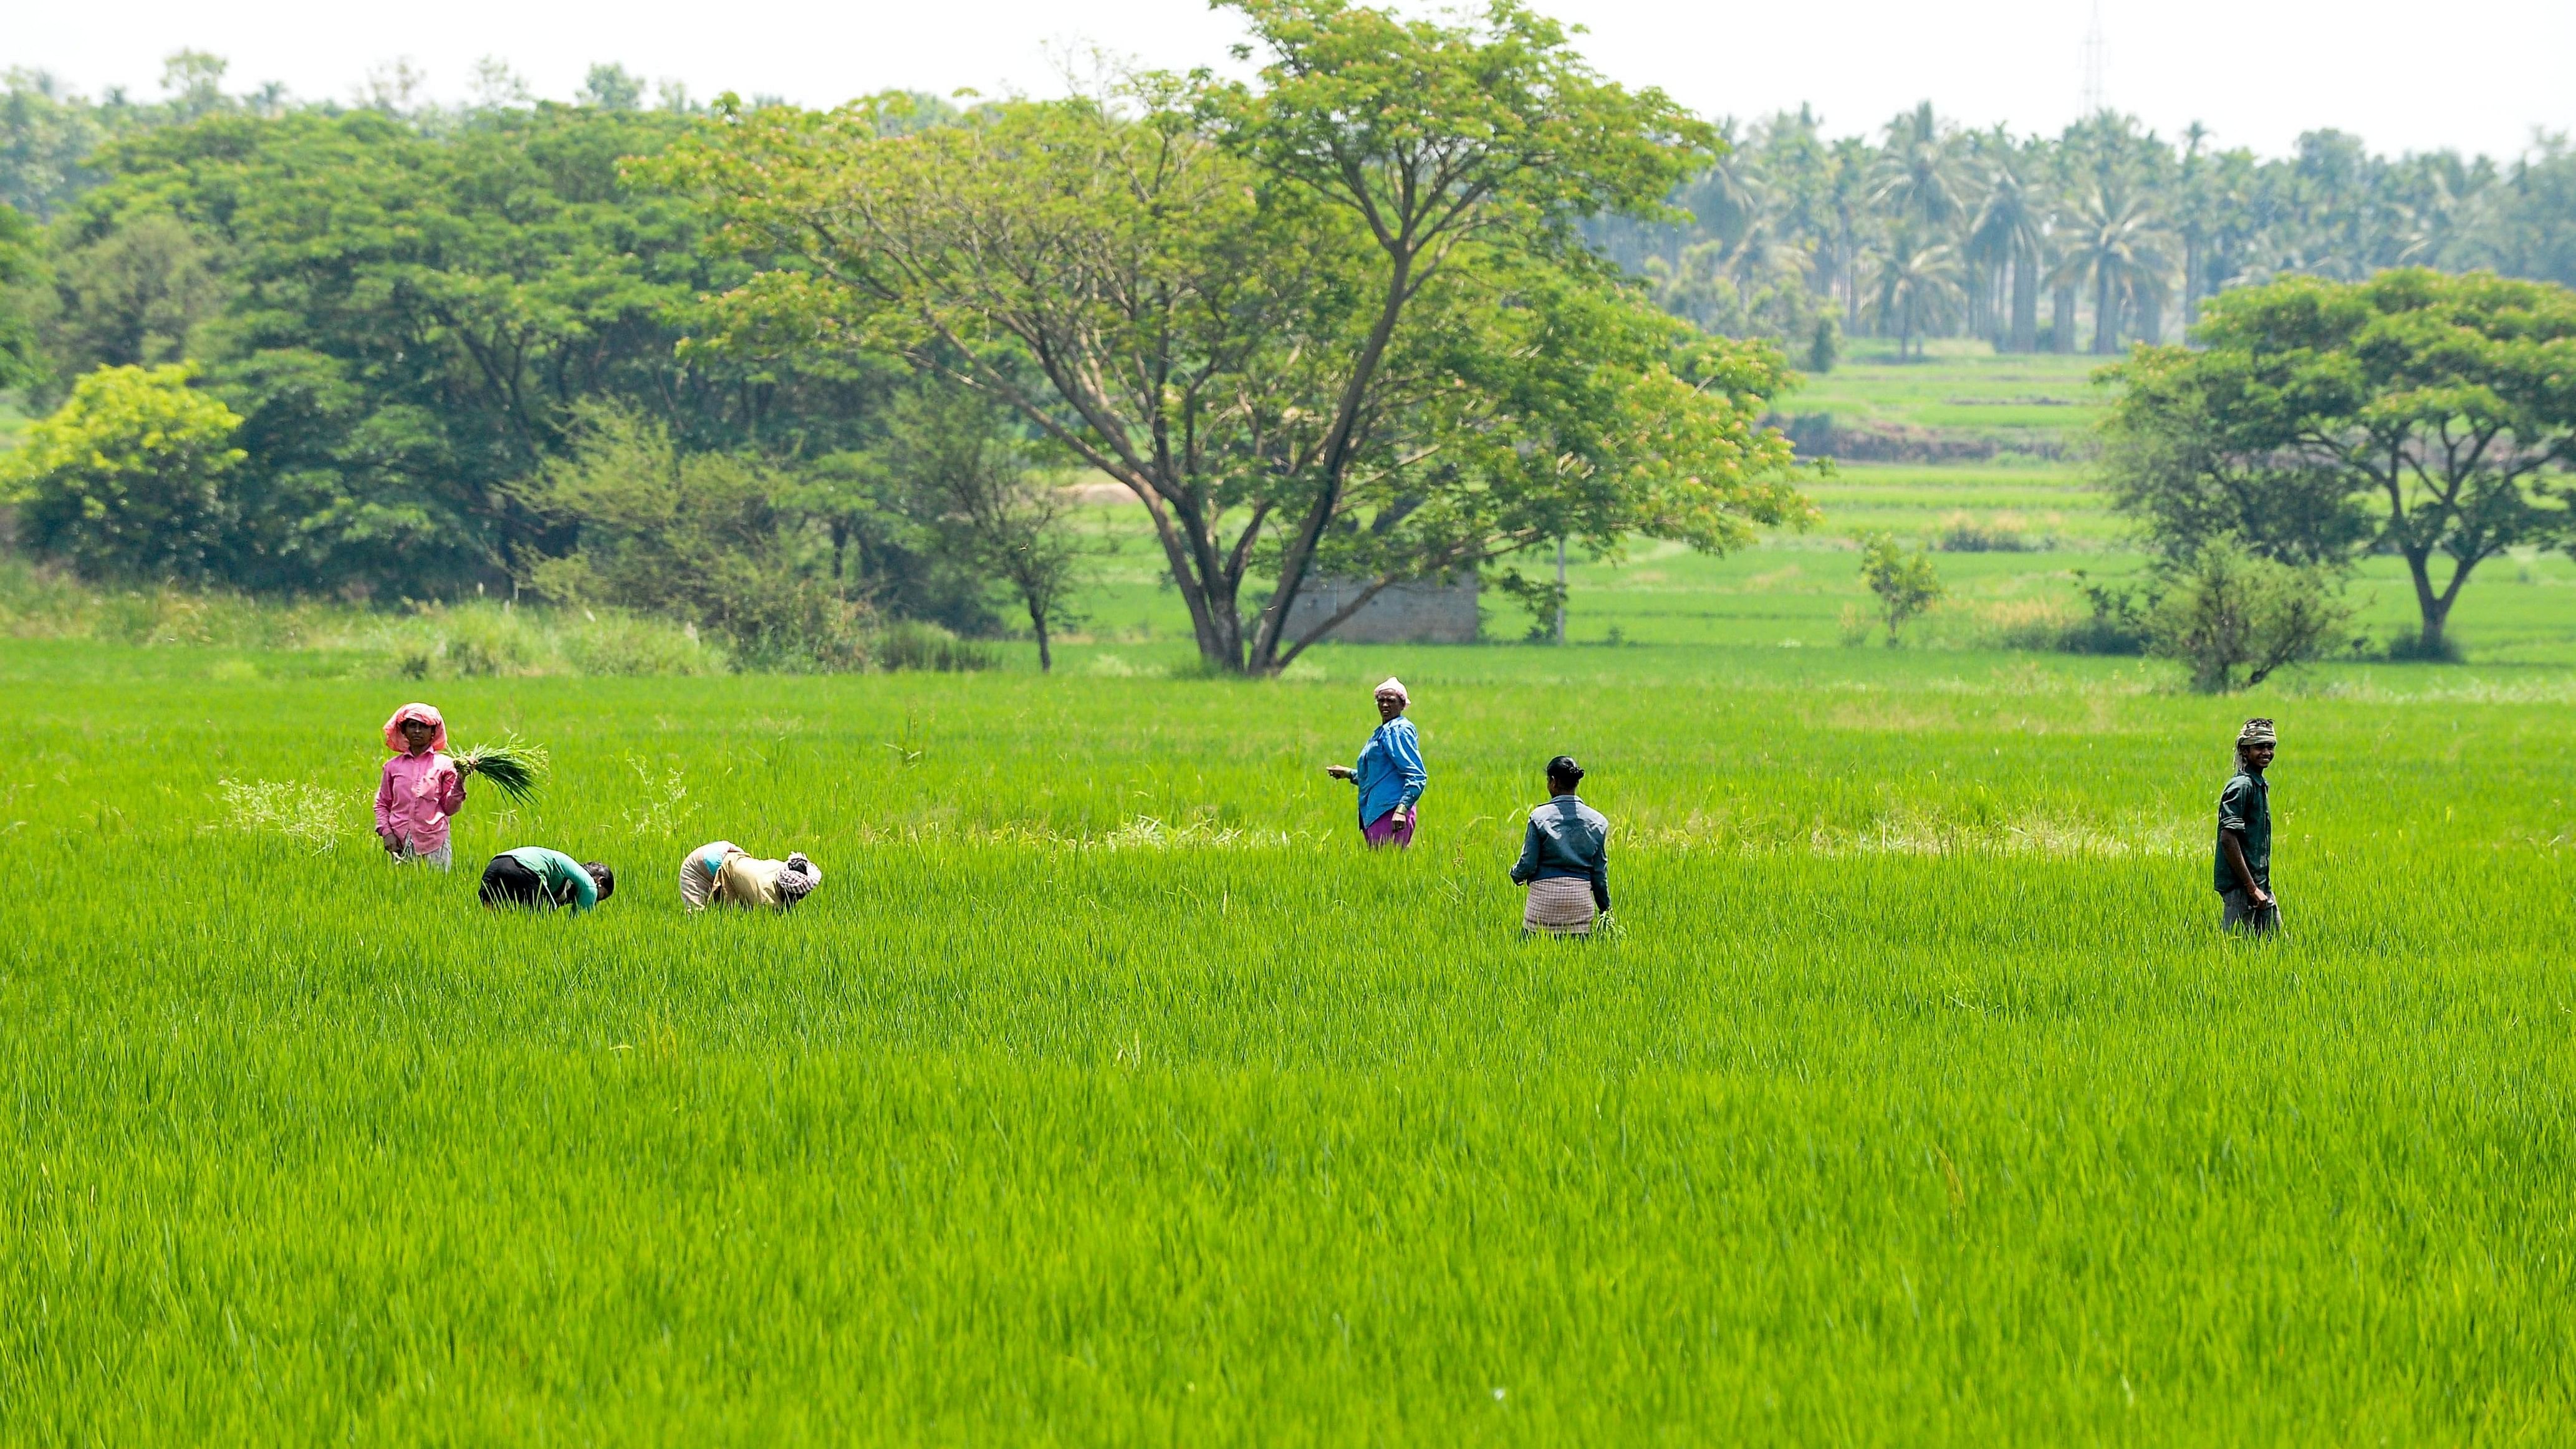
513,766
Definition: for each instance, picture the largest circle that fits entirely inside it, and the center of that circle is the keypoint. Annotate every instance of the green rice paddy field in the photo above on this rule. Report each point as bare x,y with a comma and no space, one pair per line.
1107,1093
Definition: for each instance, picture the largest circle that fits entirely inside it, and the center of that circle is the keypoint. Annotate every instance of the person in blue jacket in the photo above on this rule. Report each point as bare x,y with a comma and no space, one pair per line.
1389,774
1565,859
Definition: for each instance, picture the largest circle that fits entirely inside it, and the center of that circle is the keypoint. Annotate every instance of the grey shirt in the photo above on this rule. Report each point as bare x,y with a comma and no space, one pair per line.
2245,809
1567,839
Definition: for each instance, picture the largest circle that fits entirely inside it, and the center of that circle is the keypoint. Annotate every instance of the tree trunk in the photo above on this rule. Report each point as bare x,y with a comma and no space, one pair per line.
1851,288
1046,657
2432,607
2025,305
2106,314
2061,319
2190,283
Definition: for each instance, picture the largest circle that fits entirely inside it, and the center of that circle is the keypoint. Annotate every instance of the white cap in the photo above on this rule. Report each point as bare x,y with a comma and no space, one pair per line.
1394,686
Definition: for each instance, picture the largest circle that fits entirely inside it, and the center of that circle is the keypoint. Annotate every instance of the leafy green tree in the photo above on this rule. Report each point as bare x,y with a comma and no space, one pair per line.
130,478
970,476
21,361
1331,323
138,294
47,140
2447,403
2168,466
2236,618
701,537
1906,584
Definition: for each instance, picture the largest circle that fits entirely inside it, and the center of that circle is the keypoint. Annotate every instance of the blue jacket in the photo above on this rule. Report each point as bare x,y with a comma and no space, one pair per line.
1390,773
1569,839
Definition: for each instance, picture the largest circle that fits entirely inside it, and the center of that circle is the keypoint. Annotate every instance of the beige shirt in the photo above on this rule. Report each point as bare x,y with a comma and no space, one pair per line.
747,881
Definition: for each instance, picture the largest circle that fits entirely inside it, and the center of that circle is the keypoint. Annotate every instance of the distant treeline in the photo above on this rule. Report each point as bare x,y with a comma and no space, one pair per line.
386,348
2105,234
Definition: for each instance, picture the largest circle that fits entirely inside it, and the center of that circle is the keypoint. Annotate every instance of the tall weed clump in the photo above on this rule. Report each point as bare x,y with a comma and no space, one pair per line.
488,639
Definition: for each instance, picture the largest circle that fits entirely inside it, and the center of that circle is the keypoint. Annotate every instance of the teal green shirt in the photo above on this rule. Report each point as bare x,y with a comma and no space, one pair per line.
567,884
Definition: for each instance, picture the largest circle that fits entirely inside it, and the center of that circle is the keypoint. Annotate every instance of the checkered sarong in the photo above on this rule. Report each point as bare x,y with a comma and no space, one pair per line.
1559,906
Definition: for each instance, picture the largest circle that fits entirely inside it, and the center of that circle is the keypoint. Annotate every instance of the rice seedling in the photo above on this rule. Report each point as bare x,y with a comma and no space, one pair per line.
511,765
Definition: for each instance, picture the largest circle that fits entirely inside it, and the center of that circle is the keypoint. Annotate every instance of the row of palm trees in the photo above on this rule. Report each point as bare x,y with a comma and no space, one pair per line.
1932,230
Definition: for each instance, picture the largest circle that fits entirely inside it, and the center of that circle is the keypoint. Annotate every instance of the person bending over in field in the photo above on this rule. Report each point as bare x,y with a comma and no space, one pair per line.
541,879
721,872
1389,774
1565,859
420,788
2244,870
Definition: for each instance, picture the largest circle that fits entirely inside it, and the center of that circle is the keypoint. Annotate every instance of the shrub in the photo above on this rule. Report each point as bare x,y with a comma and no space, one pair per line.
1962,534
913,644
1906,584
128,478
700,537
2235,618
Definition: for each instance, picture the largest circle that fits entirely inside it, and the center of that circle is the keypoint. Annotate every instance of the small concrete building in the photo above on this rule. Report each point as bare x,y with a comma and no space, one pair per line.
1431,611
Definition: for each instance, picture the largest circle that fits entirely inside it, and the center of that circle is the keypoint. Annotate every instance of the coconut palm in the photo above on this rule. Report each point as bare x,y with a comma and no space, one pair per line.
2116,240
2007,233
1915,289
1916,178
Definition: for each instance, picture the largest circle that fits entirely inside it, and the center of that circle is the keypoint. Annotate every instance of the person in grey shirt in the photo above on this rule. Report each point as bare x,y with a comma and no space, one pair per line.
2243,871
1565,859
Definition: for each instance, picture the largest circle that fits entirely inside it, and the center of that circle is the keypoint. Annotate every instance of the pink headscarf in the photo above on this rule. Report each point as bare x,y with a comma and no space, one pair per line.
426,715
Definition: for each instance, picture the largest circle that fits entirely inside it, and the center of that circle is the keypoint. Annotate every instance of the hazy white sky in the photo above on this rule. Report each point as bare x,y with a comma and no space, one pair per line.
2472,74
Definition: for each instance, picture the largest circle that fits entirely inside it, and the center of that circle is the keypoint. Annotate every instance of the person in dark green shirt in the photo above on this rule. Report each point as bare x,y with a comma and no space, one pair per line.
2243,872
543,879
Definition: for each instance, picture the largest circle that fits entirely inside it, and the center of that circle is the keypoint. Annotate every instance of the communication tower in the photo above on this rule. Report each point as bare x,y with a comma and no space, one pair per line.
2094,45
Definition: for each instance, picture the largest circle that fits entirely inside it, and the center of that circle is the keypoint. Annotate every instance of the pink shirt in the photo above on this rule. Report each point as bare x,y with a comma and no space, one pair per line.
418,794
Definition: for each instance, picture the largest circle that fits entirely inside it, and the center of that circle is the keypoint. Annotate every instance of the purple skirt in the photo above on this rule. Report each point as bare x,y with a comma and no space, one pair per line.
1389,829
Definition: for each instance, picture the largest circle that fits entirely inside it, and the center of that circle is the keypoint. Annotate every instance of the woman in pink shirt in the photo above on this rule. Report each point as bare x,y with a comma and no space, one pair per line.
420,789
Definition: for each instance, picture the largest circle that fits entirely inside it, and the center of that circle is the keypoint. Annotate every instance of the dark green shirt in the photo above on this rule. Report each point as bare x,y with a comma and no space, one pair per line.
2245,808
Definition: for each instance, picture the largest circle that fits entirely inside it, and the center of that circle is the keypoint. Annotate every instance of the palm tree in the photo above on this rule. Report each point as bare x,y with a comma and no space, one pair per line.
1848,194
1916,288
2191,191
1917,176
2117,241
2006,233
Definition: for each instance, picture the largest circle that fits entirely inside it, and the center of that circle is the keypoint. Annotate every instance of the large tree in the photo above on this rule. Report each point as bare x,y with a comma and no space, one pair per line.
20,361
407,322
1335,322
2445,404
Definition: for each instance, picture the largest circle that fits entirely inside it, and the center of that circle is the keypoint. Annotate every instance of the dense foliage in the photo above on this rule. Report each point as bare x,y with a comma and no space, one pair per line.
135,475
2432,416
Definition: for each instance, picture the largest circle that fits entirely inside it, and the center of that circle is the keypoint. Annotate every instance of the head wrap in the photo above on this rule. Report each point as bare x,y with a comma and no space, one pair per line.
1394,686
394,740
800,877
